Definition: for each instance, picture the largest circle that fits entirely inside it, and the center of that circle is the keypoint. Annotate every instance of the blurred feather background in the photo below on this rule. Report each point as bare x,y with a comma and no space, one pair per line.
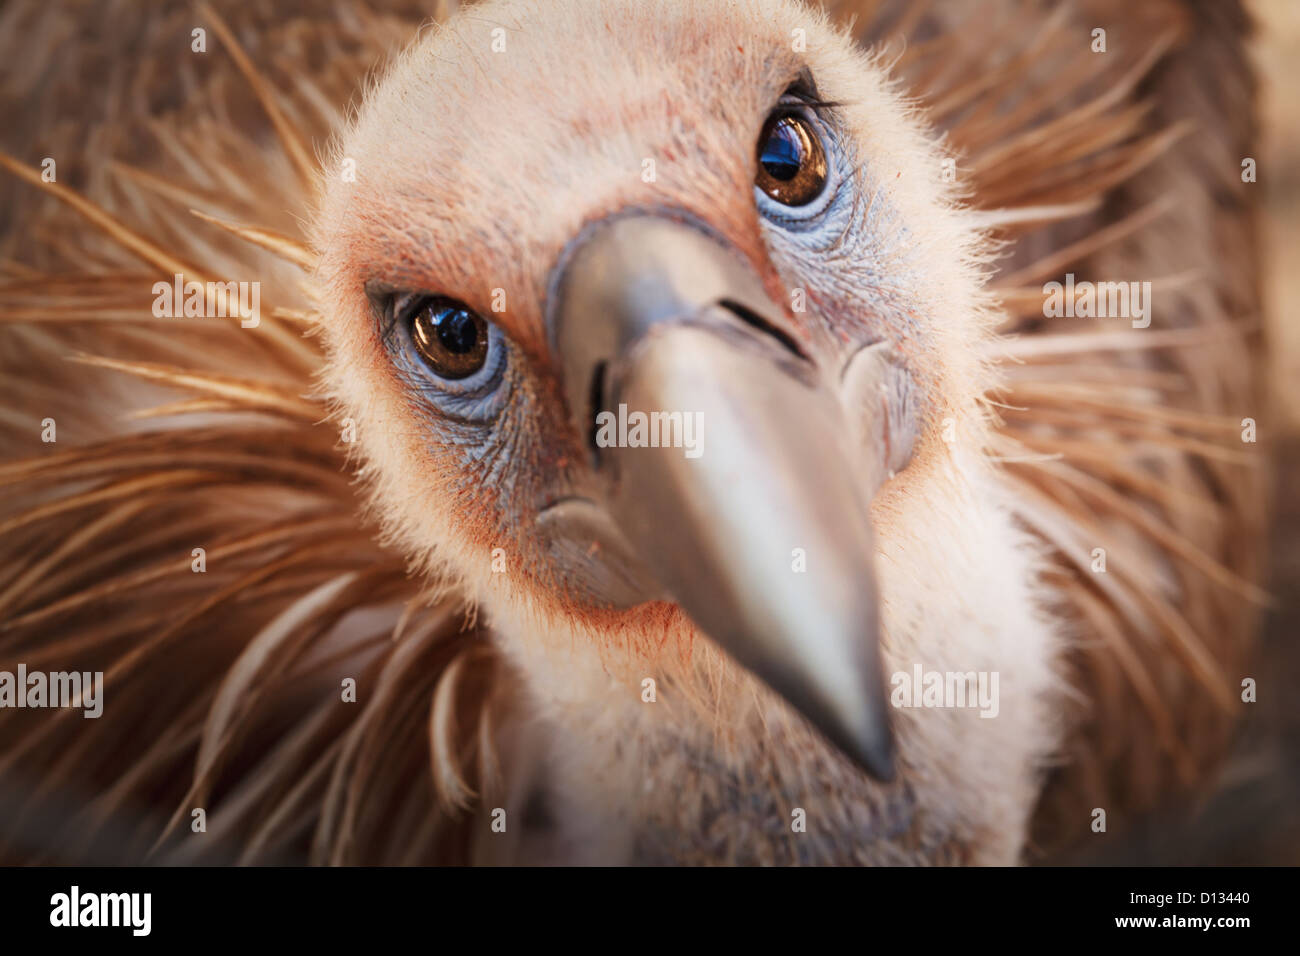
1254,817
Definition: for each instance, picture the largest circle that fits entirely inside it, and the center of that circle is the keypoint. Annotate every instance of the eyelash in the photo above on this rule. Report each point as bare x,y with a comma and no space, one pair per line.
816,105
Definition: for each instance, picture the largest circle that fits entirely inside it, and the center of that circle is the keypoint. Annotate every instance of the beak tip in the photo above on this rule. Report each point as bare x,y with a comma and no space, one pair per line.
880,764
874,752
863,734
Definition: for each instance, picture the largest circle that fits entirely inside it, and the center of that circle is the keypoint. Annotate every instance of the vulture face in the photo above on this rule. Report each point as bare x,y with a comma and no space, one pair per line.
553,221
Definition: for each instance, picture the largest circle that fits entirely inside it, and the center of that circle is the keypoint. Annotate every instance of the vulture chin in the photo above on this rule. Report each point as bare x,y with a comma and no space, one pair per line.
625,432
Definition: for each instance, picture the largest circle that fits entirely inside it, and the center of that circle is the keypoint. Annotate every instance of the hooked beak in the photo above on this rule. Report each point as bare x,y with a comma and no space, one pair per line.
760,531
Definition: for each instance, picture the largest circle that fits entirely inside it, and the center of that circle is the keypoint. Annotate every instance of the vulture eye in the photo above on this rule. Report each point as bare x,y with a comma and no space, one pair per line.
791,161
452,339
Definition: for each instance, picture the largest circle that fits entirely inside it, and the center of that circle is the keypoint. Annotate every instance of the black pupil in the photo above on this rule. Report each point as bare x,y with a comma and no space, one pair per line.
456,329
783,152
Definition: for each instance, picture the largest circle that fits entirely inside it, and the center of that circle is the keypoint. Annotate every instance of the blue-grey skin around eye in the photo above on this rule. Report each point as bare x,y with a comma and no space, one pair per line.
849,243
476,399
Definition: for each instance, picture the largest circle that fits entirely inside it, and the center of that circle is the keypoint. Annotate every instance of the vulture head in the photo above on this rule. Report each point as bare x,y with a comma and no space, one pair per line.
557,235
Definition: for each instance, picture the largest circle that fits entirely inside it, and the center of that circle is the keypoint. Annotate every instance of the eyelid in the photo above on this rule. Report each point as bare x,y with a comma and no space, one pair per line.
798,98
397,308
789,104
818,112
404,303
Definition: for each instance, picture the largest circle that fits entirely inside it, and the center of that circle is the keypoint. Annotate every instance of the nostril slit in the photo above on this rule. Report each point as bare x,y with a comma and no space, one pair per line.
752,318
596,395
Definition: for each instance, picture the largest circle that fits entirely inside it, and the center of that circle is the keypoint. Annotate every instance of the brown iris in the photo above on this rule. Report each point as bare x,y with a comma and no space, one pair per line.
791,161
452,339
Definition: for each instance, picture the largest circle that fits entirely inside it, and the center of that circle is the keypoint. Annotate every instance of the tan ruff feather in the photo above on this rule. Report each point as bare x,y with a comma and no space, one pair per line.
282,246
290,139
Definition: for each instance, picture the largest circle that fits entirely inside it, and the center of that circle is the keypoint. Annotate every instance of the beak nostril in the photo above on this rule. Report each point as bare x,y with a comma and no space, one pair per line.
596,400
752,318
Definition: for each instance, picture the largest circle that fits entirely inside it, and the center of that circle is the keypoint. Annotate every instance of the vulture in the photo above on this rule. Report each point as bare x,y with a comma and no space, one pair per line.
623,431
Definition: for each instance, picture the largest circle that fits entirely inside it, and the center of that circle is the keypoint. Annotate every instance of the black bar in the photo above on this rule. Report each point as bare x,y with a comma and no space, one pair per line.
441,908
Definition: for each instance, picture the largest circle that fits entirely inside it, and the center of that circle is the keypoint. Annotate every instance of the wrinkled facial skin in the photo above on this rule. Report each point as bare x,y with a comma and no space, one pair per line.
477,161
